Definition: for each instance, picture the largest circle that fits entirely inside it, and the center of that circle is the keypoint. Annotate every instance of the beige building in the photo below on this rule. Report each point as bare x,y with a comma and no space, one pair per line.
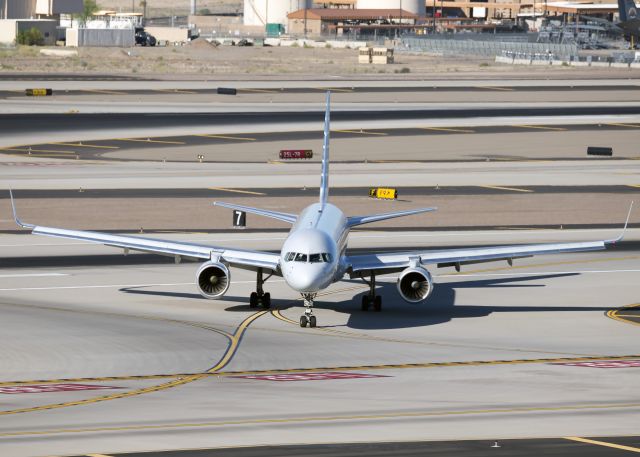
335,21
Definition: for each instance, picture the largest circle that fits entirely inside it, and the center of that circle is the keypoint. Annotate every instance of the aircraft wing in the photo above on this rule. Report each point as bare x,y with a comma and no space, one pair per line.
246,259
363,265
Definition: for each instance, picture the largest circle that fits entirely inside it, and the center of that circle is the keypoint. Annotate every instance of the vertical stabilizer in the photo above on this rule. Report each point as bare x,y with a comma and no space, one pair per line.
324,177
627,10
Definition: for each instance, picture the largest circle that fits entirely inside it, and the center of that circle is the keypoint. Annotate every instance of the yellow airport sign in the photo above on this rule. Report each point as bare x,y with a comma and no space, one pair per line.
383,193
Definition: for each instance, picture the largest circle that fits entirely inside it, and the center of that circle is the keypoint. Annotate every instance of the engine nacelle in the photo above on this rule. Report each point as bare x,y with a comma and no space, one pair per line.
415,284
213,279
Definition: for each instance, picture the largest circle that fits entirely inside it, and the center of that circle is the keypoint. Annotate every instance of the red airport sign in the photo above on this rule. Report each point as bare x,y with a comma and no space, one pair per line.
319,376
43,388
296,154
604,364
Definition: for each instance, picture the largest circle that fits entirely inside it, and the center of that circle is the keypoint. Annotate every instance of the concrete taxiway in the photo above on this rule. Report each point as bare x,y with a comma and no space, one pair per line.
497,352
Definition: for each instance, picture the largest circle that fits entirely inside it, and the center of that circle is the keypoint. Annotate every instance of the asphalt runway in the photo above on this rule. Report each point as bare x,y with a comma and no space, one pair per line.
131,359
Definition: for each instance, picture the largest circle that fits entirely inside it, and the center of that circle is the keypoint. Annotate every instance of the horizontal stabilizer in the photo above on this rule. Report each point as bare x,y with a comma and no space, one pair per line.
360,220
286,217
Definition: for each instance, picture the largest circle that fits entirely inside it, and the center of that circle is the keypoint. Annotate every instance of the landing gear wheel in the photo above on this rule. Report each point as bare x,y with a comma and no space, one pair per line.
365,303
266,300
377,303
312,321
253,300
304,321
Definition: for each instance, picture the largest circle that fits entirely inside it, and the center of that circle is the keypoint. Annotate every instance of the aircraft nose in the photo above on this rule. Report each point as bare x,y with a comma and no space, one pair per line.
303,280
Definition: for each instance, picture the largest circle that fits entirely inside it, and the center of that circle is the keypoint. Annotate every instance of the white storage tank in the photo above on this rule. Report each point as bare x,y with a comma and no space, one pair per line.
413,6
263,12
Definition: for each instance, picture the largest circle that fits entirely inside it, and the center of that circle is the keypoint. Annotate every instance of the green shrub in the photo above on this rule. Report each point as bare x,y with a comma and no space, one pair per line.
31,37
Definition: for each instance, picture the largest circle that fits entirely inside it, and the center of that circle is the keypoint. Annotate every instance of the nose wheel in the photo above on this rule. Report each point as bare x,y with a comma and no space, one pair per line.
308,318
260,297
371,300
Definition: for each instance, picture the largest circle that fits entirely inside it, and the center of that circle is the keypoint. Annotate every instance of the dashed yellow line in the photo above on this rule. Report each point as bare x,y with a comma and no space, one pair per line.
49,151
237,191
227,137
514,189
82,145
107,92
603,443
541,127
234,341
447,129
298,420
361,132
508,89
148,140
176,91
617,124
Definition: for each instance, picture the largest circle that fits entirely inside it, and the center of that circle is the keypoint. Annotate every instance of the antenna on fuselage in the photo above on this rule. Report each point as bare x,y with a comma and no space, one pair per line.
324,177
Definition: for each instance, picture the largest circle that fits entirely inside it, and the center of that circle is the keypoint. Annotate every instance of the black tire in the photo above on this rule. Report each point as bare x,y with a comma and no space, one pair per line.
377,303
303,321
266,300
312,321
365,303
253,300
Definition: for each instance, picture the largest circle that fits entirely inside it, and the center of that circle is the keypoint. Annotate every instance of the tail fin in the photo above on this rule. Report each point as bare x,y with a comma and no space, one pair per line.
627,10
324,178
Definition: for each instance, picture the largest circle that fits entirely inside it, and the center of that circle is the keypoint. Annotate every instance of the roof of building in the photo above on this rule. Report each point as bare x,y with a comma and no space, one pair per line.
575,7
350,14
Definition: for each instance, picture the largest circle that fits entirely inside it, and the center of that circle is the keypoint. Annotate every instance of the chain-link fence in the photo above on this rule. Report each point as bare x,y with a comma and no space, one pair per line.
485,48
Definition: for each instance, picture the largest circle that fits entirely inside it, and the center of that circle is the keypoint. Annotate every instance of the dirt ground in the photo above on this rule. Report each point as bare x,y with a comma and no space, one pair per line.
201,59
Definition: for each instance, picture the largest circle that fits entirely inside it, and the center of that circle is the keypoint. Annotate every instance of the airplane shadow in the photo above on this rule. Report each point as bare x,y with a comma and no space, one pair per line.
440,308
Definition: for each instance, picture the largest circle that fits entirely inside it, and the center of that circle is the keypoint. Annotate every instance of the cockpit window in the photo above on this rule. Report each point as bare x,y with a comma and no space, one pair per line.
326,257
301,257
315,258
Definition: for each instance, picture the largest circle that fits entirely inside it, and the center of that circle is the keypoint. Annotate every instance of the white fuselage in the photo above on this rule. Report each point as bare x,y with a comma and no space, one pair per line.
312,253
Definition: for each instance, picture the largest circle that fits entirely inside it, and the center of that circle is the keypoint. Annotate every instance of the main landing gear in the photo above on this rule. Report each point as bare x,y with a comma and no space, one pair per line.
260,297
371,299
308,318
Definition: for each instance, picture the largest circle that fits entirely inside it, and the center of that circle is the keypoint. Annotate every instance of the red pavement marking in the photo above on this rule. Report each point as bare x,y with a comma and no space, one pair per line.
604,364
322,376
42,388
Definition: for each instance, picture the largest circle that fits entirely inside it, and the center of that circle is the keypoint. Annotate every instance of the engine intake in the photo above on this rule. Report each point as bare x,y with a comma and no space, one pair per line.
415,284
213,279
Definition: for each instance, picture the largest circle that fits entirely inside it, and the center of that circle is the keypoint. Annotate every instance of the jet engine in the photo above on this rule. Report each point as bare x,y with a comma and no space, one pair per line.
415,284
213,279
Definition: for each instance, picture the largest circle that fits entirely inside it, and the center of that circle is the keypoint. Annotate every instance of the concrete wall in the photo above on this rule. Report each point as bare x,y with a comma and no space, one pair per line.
52,7
17,9
223,26
100,37
9,29
170,34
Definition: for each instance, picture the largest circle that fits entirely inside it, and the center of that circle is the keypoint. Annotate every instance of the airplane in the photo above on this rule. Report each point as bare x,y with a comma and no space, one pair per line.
629,21
314,254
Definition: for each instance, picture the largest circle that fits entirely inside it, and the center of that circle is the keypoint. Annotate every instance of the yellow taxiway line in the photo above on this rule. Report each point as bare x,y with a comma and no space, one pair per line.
615,314
236,191
227,137
602,443
541,127
361,132
507,89
148,140
619,124
107,92
305,419
514,189
447,129
46,151
175,91
81,145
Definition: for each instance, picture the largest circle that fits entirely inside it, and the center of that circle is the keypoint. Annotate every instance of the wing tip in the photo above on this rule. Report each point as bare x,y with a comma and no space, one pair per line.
17,220
624,228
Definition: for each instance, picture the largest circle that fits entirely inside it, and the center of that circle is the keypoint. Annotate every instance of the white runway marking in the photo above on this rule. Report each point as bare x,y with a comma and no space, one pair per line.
32,275
107,286
516,273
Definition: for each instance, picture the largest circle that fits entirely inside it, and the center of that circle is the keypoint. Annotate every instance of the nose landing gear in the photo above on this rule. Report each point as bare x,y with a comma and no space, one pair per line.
260,297
371,299
308,318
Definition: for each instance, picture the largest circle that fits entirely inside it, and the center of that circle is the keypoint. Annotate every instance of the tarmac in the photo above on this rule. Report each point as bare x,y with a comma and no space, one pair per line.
106,354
